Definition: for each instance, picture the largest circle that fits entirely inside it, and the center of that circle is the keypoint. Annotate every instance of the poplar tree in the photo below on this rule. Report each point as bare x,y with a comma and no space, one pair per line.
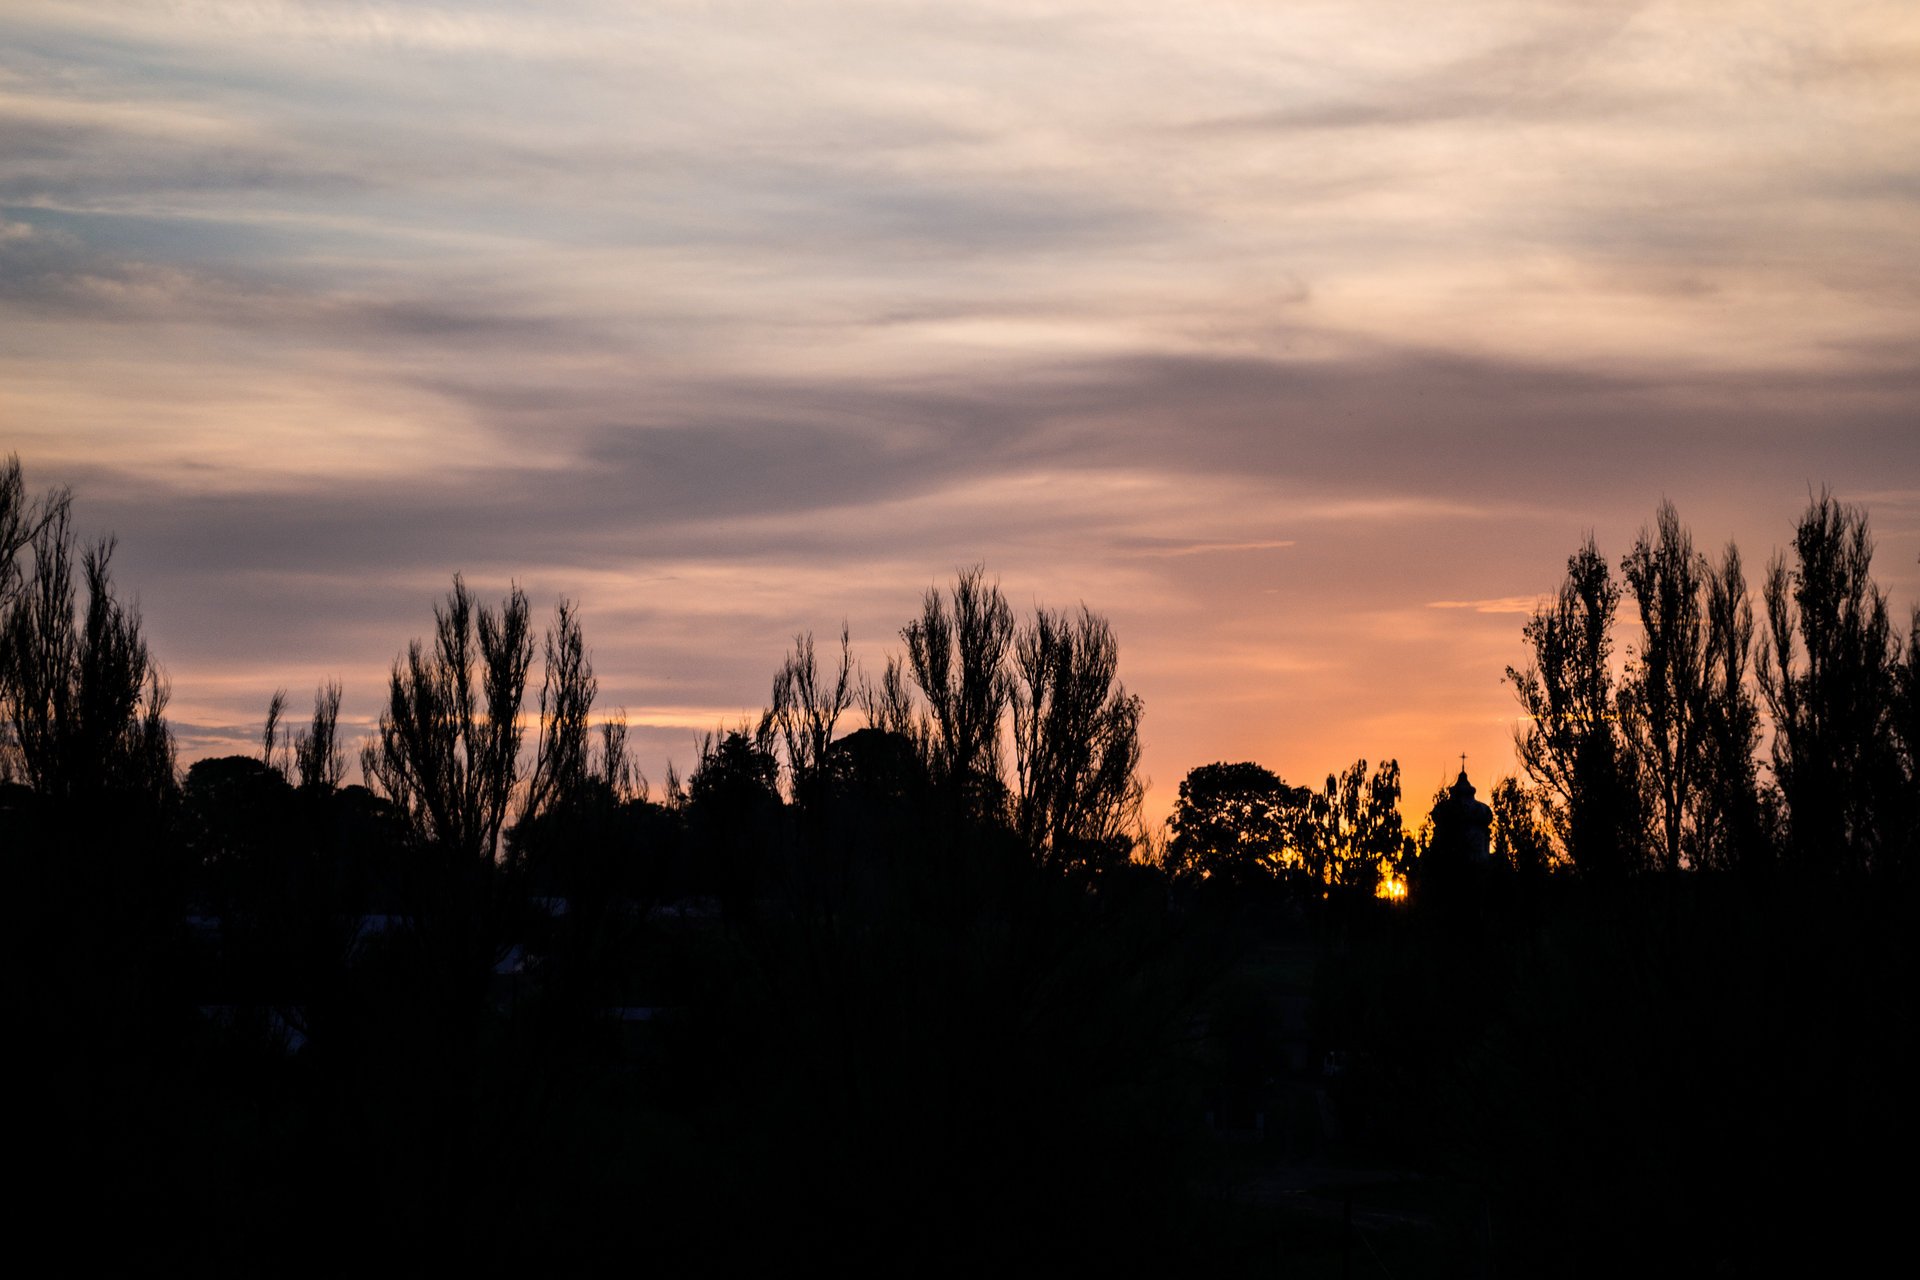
1570,743
1076,735
1727,817
1665,698
318,762
1828,673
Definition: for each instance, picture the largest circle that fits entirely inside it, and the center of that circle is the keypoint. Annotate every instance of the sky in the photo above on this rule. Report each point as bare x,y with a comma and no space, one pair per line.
1304,341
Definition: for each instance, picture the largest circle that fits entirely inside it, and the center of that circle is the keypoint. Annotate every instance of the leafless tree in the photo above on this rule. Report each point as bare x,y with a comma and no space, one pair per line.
317,759
83,695
21,521
448,746
807,706
616,769
567,691
888,705
272,753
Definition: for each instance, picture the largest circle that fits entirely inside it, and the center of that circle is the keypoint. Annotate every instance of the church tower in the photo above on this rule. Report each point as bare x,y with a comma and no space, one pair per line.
1462,832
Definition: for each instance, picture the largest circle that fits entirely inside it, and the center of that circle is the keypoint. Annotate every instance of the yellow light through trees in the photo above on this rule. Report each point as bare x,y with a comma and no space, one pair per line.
1392,887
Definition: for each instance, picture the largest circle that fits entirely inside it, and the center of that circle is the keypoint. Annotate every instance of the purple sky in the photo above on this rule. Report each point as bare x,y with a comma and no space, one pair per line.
1304,341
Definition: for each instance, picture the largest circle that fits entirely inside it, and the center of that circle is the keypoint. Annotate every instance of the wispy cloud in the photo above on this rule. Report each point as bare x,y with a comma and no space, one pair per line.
1213,548
1523,605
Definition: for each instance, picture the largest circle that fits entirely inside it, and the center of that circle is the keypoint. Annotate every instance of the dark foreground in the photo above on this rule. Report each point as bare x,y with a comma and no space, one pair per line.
931,1055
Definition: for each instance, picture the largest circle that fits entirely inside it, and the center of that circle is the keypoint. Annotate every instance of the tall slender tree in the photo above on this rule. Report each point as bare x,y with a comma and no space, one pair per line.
84,697
1827,673
318,762
449,741
1907,730
807,706
1569,742
21,520
1727,819
615,768
957,651
272,738
1664,699
888,705
568,687
1076,735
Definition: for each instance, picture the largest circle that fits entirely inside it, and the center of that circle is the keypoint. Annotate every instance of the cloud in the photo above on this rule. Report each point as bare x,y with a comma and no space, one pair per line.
1303,340
1522,605
1176,550
1532,78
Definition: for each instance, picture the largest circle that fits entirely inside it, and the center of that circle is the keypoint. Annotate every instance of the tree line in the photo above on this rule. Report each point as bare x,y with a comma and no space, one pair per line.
1653,764
1657,767
257,994
84,704
922,989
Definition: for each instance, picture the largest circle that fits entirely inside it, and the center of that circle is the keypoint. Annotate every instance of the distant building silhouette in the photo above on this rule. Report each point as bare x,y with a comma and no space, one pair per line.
1462,834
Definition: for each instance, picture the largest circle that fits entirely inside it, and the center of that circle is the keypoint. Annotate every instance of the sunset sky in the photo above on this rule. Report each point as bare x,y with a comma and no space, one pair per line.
1303,340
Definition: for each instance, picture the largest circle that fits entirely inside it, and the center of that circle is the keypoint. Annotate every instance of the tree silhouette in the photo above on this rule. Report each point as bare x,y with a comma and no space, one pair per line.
1355,828
806,708
1570,743
318,762
734,812
904,1026
1076,735
1727,817
271,752
449,740
888,705
957,651
287,891
1519,842
21,520
1827,671
1665,698
561,766
1907,728
1237,823
616,770
78,685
